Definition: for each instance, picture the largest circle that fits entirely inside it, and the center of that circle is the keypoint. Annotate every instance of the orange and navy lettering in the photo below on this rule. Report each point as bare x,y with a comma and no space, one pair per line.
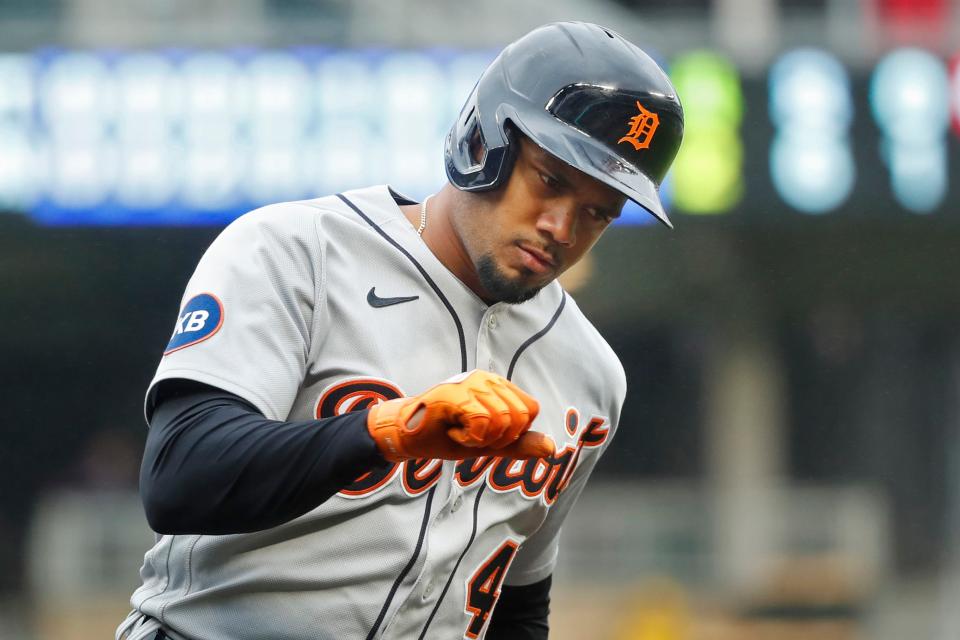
572,421
483,587
421,474
369,482
468,471
530,476
354,394
596,432
545,478
536,478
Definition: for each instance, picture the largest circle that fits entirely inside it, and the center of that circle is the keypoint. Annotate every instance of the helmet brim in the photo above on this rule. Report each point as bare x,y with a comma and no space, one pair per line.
586,154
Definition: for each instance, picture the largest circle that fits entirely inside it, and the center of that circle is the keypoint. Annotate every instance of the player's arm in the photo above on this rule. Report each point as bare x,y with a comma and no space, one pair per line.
521,612
214,465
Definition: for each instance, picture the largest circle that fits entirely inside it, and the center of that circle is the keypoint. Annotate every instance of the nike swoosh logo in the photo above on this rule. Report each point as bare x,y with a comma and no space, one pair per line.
377,301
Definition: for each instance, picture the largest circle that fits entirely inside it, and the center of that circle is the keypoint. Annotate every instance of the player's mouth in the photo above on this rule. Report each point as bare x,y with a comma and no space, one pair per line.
536,260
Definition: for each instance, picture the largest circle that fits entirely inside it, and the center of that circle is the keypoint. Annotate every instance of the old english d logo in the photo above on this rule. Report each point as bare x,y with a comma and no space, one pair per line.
642,127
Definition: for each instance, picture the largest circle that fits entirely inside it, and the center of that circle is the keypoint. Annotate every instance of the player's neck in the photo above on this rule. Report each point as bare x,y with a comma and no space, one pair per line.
442,239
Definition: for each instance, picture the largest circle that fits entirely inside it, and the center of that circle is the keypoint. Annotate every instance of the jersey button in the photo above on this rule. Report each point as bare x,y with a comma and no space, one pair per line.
492,321
491,367
456,504
428,589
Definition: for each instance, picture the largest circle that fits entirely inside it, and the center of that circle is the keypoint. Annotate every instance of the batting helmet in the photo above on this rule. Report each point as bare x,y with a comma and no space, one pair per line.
583,93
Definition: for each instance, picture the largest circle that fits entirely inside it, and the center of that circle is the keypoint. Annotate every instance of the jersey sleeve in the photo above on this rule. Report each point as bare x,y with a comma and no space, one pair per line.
245,323
537,557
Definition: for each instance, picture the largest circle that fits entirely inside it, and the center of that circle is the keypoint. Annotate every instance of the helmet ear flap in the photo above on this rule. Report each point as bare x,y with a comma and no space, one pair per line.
465,149
476,150
472,165
512,134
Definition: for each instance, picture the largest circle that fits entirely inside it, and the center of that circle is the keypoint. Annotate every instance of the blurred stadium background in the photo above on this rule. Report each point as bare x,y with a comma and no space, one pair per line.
788,465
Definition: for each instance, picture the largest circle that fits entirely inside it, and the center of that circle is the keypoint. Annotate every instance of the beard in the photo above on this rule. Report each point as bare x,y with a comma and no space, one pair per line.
501,288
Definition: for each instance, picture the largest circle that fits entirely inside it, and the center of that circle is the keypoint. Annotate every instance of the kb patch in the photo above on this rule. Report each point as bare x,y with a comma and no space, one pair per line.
199,319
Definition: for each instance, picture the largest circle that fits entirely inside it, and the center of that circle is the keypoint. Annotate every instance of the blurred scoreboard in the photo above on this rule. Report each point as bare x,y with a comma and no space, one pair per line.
810,139
186,137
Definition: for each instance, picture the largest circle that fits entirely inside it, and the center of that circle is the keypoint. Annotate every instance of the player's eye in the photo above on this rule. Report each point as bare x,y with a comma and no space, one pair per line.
549,180
599,216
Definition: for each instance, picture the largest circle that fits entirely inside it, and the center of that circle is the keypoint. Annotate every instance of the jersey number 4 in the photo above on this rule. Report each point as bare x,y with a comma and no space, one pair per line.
483,587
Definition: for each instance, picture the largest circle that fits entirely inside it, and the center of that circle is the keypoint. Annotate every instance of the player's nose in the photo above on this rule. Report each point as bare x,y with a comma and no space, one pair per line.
560,223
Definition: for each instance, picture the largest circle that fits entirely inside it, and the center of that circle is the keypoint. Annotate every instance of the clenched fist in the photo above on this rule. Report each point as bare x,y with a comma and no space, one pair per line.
470,415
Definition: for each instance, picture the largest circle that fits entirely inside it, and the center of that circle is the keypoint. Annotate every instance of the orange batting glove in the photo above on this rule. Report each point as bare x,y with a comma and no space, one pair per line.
468,416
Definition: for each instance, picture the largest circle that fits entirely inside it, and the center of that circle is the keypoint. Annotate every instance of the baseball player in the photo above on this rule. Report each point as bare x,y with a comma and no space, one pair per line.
373,415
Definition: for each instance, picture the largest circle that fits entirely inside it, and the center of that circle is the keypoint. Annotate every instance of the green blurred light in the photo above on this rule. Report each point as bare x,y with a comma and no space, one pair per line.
709,88
707,176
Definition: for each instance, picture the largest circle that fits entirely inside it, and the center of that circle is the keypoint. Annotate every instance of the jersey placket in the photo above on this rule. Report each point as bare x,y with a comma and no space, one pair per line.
490,323
452,529
449,532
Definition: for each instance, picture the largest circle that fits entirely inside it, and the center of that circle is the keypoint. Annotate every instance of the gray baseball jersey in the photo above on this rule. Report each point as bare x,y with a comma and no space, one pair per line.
315,308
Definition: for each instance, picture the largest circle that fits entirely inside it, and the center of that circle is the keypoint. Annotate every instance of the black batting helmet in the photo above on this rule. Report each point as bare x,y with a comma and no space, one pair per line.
583,93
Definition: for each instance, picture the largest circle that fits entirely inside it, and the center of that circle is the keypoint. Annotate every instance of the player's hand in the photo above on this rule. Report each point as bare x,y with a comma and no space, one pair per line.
471,415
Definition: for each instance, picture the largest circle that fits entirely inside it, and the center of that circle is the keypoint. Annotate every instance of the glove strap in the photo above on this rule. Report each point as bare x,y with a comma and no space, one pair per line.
384,423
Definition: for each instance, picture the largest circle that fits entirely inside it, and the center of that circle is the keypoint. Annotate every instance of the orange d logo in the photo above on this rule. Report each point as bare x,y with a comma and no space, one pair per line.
642,127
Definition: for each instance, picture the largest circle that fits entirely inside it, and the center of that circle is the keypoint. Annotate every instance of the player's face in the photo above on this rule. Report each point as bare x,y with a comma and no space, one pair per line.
539,225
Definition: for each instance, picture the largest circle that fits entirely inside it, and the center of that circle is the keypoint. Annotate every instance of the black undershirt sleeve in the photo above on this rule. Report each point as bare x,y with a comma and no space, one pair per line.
521,612
214,465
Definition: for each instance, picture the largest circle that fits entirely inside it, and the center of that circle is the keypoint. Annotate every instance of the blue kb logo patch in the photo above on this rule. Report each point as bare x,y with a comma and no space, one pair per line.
200,318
